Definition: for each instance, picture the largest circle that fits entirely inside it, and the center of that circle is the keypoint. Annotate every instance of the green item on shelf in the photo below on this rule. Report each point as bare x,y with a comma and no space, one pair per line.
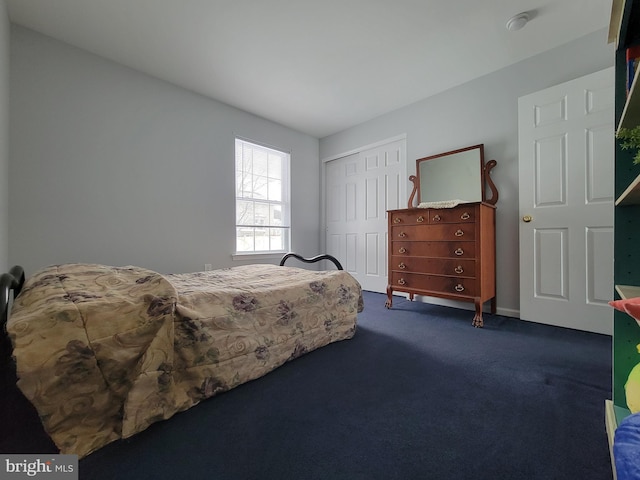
630,139
632,389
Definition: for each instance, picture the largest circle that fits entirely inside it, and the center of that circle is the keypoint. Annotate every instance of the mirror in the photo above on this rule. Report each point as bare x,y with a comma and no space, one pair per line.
456,175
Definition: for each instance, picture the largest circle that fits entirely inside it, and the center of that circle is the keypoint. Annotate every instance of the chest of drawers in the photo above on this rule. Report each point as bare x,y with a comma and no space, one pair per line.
447,253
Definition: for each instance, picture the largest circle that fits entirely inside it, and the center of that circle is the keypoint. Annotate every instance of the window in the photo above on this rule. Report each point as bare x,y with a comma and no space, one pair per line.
262,199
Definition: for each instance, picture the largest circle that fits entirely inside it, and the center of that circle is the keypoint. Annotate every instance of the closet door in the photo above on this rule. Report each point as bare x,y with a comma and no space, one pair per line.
359,189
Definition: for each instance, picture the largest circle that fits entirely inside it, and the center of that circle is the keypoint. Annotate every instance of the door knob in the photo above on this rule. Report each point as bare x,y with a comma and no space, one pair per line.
527,218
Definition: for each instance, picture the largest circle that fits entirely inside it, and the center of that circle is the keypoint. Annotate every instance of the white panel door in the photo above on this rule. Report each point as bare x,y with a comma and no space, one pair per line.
360,188
566,147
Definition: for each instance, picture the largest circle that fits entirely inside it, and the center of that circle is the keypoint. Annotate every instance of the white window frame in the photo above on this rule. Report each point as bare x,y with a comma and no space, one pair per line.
261,197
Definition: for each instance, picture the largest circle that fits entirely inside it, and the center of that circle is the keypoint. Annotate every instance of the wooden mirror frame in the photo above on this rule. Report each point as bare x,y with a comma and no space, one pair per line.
485,175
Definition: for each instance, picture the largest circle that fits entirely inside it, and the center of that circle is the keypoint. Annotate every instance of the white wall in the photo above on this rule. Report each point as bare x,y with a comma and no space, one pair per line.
4,137
111,166
483,111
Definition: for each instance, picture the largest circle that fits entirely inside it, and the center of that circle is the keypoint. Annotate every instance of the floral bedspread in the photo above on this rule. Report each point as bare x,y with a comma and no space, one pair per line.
103,352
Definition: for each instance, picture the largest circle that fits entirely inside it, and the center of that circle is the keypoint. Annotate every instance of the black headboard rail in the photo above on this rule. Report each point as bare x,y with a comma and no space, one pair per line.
315,259
9,282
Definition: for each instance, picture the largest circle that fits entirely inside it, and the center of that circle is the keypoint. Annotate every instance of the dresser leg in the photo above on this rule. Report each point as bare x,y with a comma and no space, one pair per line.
389,301
493,306
477,319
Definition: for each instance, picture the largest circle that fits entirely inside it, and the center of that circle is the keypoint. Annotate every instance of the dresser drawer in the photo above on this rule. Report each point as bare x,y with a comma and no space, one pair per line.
434,249
434,283
446,232
439,266
409,217
462,213
421,216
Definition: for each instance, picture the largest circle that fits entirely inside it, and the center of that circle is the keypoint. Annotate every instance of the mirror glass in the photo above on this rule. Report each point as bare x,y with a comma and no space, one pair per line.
455,175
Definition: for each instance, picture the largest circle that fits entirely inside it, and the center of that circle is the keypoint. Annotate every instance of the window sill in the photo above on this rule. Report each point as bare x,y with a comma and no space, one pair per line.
241,257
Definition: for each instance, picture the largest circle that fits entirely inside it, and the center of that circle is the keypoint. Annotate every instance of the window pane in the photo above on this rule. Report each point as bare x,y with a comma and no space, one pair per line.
244,239
275,217
262,239
239,150
275,190
247,153
277,239
261,213
259,162
259,187
243,185
245,213
275,166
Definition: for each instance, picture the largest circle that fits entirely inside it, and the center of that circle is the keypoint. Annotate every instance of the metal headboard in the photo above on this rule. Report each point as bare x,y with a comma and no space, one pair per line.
12,281
315,259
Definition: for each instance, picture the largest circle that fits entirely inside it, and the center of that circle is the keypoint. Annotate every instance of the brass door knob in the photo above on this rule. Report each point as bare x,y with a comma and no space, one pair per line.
527,218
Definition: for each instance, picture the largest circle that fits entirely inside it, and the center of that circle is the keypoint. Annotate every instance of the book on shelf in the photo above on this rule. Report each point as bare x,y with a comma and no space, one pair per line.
633,59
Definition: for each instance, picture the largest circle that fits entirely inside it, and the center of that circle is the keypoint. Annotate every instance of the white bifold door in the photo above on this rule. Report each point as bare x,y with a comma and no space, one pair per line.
359,189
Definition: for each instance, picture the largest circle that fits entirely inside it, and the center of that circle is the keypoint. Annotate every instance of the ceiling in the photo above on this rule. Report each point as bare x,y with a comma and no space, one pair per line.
316,66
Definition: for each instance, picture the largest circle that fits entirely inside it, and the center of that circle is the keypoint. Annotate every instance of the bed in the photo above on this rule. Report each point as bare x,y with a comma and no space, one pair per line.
103,352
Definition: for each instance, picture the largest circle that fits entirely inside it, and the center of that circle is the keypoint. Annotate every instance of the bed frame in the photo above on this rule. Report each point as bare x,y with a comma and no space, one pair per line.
9,282
315,259
19,421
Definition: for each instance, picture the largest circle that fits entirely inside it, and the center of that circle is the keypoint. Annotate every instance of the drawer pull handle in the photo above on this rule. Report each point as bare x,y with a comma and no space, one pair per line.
465,216
402,282
402,234
459,252
459,288
436,218
459,233
397,220
402,266
402,250
420,219
458,269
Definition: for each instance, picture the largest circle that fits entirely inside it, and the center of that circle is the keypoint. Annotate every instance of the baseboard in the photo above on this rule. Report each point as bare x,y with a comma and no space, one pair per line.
508,312
505,312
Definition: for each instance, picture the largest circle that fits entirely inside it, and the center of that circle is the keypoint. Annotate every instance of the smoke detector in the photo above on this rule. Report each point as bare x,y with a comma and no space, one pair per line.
517,21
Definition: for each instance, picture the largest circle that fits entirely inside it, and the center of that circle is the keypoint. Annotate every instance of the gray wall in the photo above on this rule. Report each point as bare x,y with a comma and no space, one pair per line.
111,166
4,137
483,111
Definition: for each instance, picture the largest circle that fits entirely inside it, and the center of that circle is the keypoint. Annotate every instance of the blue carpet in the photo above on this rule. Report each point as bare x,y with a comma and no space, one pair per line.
418,393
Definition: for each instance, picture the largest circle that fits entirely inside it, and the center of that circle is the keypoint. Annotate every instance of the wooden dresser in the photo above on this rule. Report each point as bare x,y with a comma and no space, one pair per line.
446,252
